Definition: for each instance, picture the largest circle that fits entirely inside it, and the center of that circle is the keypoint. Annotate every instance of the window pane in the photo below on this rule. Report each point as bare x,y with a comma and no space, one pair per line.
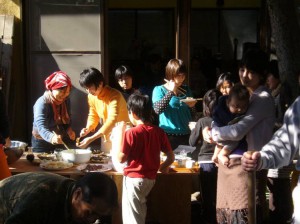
66,26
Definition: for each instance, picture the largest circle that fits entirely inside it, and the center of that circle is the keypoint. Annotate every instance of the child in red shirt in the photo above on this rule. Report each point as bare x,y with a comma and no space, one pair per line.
140,146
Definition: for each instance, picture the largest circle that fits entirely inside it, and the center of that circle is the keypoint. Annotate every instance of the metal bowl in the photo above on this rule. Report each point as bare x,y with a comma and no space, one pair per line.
15,151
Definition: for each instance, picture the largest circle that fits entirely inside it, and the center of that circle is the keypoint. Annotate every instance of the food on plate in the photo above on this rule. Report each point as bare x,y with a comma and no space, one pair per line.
92,167
188,100
99,158
46,156
56,165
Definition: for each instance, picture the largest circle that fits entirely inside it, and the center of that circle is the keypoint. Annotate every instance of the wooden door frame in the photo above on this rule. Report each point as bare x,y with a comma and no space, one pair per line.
183,32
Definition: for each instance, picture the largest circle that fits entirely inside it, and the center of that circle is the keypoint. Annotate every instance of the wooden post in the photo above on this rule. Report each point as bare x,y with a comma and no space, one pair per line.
251,195
183,32
6,39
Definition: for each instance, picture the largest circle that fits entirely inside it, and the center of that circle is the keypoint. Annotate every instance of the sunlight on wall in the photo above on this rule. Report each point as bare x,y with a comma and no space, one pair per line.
9,7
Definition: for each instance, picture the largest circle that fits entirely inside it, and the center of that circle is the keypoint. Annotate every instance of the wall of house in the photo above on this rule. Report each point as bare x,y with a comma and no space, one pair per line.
17,94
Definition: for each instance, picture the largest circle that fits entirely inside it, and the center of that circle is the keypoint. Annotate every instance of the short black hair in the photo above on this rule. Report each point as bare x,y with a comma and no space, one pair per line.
123,70
240,92
98,185
91,77
210,99
256,60
141,106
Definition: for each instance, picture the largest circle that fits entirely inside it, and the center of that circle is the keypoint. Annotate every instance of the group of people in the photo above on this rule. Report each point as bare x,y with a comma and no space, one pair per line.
107,106
236,118
140,146
52,117
235,123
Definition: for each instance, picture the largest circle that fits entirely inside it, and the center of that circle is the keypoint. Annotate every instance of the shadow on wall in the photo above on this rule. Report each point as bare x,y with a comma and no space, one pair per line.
44,65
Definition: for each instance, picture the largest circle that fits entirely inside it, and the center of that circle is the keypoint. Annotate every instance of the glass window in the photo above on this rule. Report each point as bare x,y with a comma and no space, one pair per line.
66,25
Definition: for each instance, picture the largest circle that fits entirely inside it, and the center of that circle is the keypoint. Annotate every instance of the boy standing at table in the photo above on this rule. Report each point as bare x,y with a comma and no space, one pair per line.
140,146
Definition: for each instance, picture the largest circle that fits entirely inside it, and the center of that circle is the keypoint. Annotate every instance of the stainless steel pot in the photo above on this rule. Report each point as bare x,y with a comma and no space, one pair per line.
15,151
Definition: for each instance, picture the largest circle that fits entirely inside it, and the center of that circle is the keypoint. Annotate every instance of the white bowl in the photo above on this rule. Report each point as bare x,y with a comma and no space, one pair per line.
80,156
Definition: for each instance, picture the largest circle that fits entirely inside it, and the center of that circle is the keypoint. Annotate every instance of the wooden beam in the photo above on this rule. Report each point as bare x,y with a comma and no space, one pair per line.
183,32
104,41
6,37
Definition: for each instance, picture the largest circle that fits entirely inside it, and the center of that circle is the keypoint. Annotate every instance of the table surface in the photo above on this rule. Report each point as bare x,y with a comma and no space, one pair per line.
23,165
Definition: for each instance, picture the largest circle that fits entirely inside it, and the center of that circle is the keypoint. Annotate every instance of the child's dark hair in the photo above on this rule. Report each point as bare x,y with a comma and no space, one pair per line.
227,76
141,106
210,99
240,92
123,70
91,77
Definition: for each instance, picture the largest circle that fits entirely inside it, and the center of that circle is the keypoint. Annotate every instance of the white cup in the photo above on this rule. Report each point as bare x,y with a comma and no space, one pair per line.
189,164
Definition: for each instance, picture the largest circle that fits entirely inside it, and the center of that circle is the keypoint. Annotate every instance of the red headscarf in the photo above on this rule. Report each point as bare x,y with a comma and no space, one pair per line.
57,80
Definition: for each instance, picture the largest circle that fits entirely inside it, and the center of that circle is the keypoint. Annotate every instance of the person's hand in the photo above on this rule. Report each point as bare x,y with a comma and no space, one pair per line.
214,158
191,103
206,133
84,143
7,142
192,125
71,134
250,161
56,139
170,85
84,132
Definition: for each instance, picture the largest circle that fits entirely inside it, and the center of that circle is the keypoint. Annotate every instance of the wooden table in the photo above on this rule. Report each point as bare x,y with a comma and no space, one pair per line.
168,202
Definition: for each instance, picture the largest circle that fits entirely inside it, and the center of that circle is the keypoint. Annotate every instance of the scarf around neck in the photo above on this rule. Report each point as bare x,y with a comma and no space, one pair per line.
60,111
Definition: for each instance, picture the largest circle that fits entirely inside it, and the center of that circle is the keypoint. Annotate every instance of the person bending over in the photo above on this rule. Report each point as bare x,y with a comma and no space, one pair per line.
40,197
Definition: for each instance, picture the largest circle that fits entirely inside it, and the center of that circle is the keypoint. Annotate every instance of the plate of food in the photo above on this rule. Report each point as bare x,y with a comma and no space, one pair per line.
99,158
99,167
46,156
55,165
188,100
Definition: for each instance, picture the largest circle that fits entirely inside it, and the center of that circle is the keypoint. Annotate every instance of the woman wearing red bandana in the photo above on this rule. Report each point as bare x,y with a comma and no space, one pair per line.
51,121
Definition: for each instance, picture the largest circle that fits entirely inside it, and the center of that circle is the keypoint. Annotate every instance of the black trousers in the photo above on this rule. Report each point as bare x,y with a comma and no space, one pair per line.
280,201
